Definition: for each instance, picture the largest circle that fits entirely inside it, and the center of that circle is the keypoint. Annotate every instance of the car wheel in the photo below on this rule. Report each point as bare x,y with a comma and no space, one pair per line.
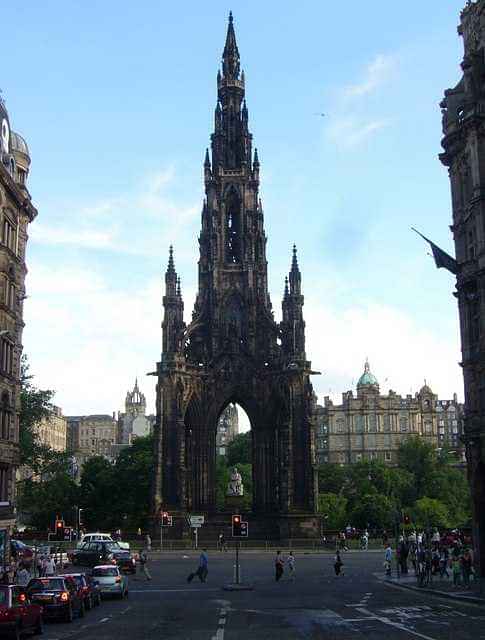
70,614
82,609
39,627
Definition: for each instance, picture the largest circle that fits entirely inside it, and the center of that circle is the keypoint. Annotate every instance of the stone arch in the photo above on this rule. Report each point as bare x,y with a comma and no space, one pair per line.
233,225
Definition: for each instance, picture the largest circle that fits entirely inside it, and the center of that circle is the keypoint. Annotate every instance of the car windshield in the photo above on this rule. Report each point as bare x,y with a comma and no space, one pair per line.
48,584
3,596
113,546
103,572
78,580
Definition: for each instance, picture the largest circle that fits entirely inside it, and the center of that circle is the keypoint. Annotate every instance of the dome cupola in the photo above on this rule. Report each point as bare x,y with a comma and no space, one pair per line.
367,381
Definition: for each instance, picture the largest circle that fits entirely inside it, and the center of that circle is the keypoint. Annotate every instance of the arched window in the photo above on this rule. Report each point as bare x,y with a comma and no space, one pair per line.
5,416
233,227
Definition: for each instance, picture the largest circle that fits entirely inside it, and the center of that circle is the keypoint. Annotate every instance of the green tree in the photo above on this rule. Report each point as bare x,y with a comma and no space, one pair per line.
35,405
239,450
450,486
334,509
418,457
429,512
373,510
332,478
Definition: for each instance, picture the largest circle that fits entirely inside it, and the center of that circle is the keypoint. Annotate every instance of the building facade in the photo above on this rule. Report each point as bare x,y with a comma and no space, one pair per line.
463,142
227,429
134,422
92,435
16,212
371,425
233,350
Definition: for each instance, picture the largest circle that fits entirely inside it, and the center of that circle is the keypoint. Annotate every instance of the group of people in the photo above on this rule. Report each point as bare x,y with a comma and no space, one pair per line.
20,573
280,565
432,556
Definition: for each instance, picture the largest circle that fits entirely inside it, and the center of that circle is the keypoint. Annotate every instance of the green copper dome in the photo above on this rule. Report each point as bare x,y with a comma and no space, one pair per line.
367,378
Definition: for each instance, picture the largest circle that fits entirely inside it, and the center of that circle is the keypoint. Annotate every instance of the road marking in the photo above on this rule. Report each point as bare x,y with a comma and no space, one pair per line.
171,590
104,620
125,610
222,623
396,625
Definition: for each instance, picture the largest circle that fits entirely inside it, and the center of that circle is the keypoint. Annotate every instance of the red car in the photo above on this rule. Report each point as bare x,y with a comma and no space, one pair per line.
86,589
18,615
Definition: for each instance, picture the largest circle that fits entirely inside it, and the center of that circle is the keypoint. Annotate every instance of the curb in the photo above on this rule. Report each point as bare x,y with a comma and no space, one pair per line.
436,592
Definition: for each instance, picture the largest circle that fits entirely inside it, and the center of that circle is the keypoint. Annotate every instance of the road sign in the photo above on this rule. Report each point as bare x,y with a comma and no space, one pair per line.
196,520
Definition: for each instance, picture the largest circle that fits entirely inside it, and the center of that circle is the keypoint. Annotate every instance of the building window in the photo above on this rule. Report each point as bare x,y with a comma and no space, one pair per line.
359,424
428,428
387,422
222,451
403,425
6,353
358,457
373,455
372,422
340,425
387,456
9,234
4,481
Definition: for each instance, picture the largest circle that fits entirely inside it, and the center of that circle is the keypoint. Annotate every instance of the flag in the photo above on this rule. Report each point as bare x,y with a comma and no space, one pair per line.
441,258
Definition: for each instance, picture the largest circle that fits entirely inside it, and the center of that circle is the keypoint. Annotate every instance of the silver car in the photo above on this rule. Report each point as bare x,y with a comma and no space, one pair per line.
110,580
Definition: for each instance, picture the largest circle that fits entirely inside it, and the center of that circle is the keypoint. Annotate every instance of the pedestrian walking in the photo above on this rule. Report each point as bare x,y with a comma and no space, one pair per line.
456,570
338,564
148,542
202,569
50,567
466,567
222,542
290,561
23,576
279,566
143,558
444,557
388,559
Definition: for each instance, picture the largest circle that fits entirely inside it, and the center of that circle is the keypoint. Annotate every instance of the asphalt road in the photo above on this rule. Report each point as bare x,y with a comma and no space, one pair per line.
316,605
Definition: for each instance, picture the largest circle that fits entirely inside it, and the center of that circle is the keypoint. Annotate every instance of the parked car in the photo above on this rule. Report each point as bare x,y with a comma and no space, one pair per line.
18,615
21,552
111,581
85,588
101,537
95,590
54,552
59,597
95,553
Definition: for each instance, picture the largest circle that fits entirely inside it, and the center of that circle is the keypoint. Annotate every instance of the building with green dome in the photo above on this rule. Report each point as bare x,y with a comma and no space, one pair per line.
369,425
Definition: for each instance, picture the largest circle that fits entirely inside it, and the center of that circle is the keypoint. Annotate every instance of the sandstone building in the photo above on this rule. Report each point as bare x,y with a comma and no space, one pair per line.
16,212
371,425
463,143
92,435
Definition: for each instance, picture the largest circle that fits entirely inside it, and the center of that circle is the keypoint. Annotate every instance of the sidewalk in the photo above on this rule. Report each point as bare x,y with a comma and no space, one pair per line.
440,587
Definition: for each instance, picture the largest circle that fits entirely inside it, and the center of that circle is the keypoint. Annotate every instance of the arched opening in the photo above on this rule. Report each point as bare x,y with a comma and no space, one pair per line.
234,455
233,227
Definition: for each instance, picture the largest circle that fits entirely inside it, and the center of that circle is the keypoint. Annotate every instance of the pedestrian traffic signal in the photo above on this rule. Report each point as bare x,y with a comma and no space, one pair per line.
236,526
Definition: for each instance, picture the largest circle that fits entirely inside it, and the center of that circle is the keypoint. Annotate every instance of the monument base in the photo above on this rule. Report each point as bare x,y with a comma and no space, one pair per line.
234,504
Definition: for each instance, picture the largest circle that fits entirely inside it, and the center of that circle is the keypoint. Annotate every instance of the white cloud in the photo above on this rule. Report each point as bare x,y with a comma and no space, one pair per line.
401,352
86,238
376,73
349,132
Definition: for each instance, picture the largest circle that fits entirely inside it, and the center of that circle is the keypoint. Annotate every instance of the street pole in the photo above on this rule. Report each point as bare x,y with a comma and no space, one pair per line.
161,537
196,537
237,562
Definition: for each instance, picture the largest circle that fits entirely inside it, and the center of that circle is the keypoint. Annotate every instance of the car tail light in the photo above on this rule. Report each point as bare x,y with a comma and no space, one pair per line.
64,597
118,579
85,589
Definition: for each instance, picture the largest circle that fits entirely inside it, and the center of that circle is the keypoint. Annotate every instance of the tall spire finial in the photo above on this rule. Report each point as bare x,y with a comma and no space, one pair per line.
366,366
171,266
230,56
286,287
179,291
294,261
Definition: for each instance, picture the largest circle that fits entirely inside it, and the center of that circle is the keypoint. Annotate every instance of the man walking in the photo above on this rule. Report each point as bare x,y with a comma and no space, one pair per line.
143,564
279,564
388,559
290,561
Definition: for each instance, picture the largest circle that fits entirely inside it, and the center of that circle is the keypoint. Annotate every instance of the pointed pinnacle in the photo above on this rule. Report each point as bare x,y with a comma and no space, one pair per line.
207,162
294,261
286,287
256,158
171,266
230,16
179,292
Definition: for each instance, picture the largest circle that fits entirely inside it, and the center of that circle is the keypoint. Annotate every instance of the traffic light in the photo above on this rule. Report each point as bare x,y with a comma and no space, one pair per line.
80,518
407,519
165,519
236,526
59,529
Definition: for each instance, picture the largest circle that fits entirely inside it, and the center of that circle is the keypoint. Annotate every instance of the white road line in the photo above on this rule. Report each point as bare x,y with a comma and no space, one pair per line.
125,610
396,625
104,620
170,590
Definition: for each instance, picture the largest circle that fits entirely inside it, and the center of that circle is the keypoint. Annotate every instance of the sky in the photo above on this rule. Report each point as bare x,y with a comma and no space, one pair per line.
116,100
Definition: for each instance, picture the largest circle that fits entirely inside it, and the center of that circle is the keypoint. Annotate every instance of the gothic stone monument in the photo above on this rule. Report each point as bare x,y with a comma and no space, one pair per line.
233,350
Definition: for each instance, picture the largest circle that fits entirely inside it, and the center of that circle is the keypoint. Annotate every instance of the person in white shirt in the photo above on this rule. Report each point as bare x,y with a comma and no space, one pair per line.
23,577
50,567
290,561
